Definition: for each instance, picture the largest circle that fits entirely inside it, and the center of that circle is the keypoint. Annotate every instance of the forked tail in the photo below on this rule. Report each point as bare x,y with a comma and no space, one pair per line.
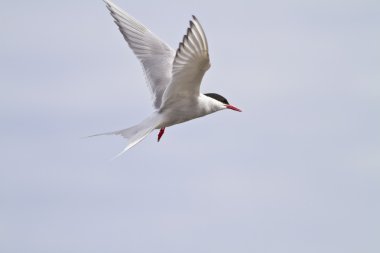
136,133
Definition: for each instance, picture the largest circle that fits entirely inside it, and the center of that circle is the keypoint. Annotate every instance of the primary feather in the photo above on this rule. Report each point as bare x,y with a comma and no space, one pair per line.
155,55
190,64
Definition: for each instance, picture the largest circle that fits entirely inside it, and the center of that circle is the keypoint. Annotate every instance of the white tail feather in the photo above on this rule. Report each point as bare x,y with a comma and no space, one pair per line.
136,133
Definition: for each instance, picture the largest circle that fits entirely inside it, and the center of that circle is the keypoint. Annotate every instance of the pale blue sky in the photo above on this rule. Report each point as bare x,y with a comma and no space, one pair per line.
298,171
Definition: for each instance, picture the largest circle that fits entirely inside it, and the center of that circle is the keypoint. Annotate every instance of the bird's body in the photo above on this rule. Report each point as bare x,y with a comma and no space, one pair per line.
186,108
174,77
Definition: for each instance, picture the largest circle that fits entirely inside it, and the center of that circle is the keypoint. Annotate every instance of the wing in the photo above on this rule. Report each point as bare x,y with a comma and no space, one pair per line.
190,63
155,55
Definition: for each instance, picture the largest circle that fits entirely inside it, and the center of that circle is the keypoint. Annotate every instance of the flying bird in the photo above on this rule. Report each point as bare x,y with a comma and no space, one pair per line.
174,76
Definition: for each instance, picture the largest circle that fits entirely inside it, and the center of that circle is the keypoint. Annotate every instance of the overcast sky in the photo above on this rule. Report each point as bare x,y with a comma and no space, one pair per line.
297,171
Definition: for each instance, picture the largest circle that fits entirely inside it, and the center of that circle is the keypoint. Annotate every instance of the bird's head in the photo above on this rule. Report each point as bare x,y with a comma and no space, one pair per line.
222,102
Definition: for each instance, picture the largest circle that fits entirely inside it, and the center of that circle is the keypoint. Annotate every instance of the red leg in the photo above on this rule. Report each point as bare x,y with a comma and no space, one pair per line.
161,133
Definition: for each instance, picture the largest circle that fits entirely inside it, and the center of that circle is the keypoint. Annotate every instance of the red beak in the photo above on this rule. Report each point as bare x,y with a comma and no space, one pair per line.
233,108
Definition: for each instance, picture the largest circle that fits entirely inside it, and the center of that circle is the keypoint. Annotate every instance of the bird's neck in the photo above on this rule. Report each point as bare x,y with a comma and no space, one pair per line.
210,105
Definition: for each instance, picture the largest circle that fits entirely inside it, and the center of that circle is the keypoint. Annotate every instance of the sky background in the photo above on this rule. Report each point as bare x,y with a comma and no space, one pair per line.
297,171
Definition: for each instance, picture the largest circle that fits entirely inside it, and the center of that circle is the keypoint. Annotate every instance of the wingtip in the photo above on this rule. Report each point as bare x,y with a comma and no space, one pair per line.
110,5
195,19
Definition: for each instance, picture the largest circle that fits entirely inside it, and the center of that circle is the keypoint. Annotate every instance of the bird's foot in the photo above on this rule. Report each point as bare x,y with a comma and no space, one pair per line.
161,133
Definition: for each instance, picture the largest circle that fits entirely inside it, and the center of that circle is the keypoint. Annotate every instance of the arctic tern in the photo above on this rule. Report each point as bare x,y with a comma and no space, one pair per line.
174,76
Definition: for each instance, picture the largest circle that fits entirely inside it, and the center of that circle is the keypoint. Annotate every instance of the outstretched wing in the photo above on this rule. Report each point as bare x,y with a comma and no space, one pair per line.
190,64
155,55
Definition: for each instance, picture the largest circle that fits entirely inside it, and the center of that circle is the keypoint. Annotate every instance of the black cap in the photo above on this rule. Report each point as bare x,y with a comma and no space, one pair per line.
217,97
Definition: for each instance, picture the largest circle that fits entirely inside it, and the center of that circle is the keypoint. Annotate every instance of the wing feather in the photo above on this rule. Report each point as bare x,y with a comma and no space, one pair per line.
190,63
155,55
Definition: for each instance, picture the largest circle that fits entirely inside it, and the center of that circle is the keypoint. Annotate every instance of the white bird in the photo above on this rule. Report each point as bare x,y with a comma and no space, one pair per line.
174,77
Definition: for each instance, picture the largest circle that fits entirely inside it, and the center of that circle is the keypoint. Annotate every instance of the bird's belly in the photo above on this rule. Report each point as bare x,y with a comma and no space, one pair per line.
177,115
